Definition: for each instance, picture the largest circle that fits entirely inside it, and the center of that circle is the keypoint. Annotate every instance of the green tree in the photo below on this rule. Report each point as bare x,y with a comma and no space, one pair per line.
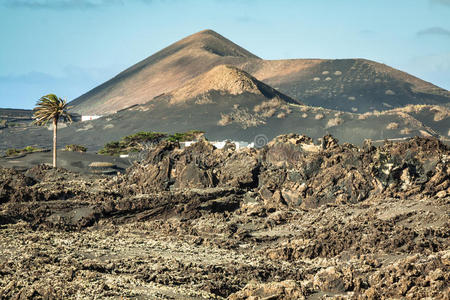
51,108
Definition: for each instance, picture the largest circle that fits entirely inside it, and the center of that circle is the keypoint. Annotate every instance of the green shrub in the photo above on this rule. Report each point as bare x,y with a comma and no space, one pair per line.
139,141
27,149
144,137
75,148
30,149
111,148
12,152
186,136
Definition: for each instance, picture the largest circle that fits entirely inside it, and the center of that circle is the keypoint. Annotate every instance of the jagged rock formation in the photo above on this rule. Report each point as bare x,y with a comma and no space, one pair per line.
292,220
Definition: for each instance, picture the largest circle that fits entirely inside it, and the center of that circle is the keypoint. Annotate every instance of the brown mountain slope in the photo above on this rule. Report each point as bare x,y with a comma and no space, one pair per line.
246,110
356,85
353,85
162,72
228,103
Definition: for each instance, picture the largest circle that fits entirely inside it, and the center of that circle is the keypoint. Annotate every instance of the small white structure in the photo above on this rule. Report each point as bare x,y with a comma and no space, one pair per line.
89,118
187,144
221,144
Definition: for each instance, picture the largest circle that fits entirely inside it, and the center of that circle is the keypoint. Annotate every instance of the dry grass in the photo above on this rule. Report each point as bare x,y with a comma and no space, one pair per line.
273,103
268,113
204,99
364,116
334,122
405,131
392,125
286,108
241,117
440,115
389,92
319,117
304,109
225,120
281,115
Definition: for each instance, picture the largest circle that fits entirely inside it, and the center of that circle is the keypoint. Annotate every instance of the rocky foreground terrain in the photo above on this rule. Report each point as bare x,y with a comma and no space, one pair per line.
293,220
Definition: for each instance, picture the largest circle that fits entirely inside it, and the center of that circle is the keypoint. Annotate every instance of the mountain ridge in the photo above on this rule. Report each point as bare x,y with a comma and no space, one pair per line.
354,85
181,61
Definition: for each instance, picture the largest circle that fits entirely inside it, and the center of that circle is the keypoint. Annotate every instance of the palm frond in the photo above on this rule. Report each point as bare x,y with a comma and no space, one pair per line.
49,108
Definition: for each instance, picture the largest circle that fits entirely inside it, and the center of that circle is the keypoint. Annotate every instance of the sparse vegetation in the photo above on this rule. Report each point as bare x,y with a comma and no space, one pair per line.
132,143
204,99
268,113
389,92
269,108
186,136
392,125
405,131
225,120
51,108
273,103
440,115
281,115
243,118
141,140
16,152
334,122
143,137
364,116
286,108
75,148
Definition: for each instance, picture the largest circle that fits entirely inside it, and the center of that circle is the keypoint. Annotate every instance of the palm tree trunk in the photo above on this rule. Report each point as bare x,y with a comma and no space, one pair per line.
55,126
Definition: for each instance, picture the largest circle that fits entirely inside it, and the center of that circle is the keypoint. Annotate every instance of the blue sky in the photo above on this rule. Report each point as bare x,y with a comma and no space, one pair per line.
67,47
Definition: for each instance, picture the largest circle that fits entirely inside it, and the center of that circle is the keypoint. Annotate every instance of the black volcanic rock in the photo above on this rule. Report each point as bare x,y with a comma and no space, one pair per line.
292,220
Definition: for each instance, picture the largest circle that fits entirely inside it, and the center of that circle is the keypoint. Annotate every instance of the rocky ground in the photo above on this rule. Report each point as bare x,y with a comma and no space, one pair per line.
293,220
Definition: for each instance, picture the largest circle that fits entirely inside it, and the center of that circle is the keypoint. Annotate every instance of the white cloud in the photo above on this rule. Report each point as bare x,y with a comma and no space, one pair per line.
434,31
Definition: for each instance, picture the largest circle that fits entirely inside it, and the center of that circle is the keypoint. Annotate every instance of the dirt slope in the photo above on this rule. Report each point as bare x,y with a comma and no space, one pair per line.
354,85
162,72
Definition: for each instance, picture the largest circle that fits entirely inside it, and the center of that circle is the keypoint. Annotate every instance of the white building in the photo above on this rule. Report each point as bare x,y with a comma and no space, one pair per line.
89,118
221,144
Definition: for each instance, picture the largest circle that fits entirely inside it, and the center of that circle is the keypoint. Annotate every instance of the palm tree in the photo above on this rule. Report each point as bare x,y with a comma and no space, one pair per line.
51,108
